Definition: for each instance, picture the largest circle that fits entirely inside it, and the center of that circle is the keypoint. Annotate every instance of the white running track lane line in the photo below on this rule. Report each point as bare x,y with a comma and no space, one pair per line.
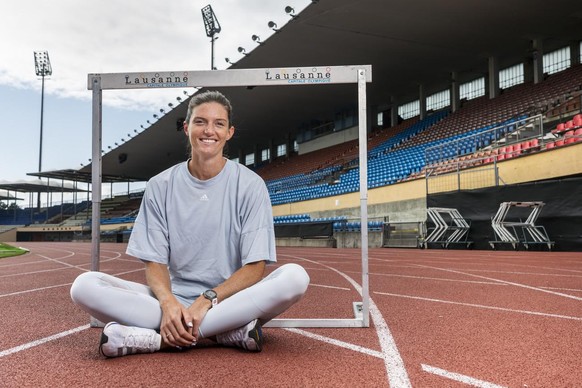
341,344
562,289
397,374
41,341
505,282
431,278
524,273
459,377
80,268
35,290
481,306
334,287
61,285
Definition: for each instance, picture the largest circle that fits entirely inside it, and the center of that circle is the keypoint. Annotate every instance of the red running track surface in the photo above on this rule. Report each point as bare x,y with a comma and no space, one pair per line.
439,318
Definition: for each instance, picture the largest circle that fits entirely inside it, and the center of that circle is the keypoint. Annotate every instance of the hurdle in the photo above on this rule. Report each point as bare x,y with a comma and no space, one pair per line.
446,233
297,76
506,231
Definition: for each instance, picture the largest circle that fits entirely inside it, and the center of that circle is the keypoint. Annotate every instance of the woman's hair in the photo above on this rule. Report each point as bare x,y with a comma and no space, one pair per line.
209,96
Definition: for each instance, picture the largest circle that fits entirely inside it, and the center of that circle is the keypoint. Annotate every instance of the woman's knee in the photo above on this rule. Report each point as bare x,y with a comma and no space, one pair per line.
294,281
83,286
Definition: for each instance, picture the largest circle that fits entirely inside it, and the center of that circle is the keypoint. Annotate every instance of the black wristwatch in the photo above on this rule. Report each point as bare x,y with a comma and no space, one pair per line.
212,296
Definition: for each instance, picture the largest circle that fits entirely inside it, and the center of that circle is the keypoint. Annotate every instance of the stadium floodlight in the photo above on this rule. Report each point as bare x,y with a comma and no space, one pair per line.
273,26
212,27
242,50
256,38
290,11
43,68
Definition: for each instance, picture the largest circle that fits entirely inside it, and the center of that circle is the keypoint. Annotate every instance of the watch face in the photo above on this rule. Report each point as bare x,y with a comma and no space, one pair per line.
210,294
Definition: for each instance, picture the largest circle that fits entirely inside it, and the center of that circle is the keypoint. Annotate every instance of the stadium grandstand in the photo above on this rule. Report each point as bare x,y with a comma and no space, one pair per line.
474,132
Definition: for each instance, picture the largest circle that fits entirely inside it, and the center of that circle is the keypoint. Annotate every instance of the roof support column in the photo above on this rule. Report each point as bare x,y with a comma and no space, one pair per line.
575,53
422,101
289,145
272,149
538,62
394,113
455,92
257,154
493,77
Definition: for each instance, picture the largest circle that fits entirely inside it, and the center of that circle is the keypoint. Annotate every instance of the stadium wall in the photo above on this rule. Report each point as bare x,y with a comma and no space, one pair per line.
404,201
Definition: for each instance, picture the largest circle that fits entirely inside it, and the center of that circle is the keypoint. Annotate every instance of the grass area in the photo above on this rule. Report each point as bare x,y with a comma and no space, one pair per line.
9,251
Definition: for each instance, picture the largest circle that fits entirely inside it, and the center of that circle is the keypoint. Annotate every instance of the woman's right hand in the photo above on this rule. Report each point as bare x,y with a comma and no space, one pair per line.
176,325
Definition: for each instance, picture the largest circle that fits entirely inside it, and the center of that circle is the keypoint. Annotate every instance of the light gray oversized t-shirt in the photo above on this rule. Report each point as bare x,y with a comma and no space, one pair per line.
204,230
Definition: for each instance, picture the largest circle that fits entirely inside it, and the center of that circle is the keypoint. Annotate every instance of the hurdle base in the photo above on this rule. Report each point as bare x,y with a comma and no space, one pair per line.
358,321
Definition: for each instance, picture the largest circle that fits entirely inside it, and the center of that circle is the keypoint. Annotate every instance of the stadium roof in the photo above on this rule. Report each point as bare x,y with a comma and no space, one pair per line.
408,43
79,176
39,186
6,196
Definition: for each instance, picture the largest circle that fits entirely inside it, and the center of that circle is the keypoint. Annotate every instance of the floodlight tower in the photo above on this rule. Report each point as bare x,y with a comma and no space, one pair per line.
42,66
212,27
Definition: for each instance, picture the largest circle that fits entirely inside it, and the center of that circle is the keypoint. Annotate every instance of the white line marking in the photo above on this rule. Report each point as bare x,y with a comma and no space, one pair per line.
563,289
437,279
341,344
506,282
481,306
525,273
334,287
42,341
459,377
397,375
35,290
61,285
34,272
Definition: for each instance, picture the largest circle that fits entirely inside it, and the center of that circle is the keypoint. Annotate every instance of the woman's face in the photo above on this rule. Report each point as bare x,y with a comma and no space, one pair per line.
208,130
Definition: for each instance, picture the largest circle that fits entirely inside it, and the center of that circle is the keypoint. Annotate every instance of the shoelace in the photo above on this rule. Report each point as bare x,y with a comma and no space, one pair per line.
138,342
234,336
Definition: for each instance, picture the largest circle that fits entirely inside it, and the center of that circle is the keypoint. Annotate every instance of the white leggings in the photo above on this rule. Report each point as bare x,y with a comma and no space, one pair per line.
108,298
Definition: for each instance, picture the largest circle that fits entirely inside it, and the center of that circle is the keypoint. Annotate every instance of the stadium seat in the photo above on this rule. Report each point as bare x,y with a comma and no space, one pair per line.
569,124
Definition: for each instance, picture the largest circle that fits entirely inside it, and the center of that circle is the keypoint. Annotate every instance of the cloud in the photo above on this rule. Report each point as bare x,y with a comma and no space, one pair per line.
110,36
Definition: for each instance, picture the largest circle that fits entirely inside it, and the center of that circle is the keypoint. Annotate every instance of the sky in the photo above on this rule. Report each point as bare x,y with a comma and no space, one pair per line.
106,36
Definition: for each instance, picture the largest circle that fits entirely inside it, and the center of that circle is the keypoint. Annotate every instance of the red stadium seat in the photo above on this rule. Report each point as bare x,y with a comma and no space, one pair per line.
559,128
550,145
569,124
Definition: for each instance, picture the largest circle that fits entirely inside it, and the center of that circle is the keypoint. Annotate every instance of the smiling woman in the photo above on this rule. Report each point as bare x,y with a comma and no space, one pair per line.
9,251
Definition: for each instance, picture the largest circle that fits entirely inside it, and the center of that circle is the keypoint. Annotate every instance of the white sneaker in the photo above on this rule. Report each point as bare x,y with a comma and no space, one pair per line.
118,340
249,337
